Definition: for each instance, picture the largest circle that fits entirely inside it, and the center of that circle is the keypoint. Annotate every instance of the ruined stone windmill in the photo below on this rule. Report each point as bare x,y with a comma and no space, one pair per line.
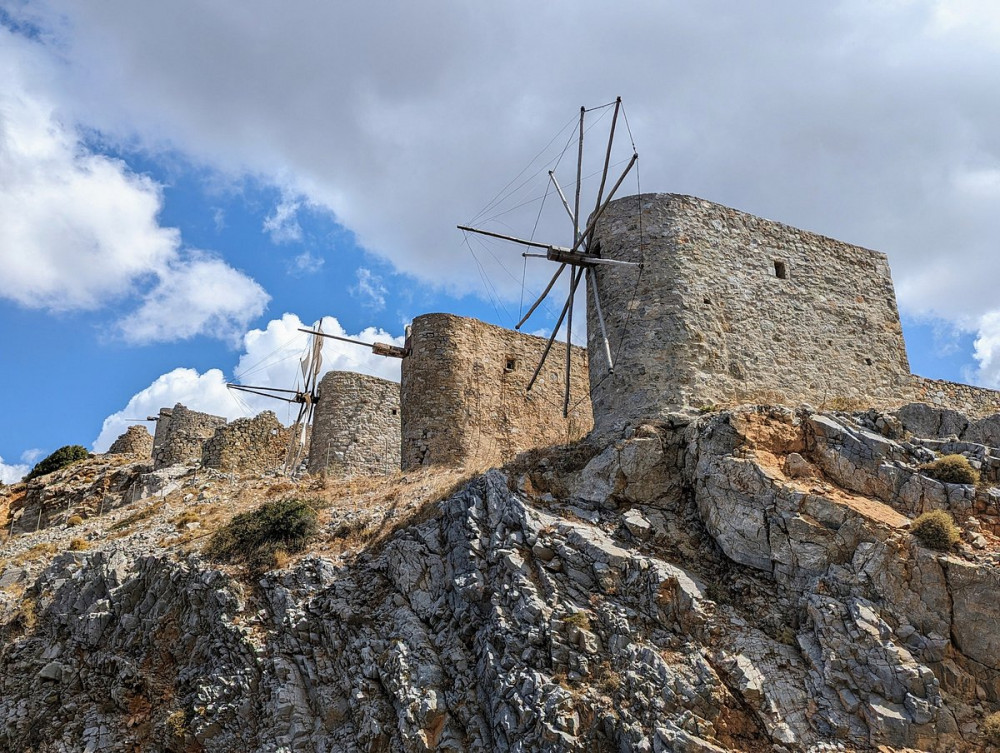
581,257
305,396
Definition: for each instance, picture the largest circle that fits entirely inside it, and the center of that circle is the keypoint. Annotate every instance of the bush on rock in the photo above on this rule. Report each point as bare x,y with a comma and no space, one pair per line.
257,537
936,530
952,469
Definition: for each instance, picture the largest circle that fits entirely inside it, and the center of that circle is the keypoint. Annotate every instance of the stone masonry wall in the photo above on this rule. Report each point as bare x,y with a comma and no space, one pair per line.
356,426
135,441
180,434
247,445
463,394
974,402
733,308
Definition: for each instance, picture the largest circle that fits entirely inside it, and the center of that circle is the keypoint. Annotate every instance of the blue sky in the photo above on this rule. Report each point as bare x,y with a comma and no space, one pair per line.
183,185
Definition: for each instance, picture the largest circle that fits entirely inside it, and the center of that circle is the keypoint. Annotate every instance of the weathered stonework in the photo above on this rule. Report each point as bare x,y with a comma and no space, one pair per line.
974,402
463,394
135,441
180,434
355,426
252,445
732,308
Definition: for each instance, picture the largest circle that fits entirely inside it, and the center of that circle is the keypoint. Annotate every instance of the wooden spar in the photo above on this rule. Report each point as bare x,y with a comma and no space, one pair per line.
555,330
607,163
597,215
592,283
562,196
579,181
503,237
569,348
379,349
542,296
300,397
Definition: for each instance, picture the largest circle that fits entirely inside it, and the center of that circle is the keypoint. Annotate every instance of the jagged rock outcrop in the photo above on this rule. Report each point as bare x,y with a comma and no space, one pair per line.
740,581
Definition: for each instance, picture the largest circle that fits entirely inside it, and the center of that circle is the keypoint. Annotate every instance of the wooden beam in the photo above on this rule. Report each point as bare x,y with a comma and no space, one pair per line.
503,237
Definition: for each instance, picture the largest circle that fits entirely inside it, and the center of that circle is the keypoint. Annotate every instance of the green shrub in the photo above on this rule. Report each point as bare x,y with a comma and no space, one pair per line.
936,530
256,537
952,469
578,619
58,459
991,728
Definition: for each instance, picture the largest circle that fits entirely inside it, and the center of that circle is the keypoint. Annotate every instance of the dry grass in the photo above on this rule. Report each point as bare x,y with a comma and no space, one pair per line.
78,545
188,516
137,517
38,551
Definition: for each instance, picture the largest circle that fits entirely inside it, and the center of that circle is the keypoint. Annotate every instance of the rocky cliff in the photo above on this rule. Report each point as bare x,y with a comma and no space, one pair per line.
737,581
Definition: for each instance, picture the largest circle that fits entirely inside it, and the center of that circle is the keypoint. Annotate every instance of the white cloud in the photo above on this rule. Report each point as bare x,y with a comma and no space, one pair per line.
270,358
32,456
9,474
987,350
864,121
282,224
305,263
75,228
369,289
79,230
198,295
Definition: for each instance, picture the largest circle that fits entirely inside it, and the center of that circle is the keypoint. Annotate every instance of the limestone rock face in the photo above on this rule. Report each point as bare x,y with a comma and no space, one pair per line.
739,581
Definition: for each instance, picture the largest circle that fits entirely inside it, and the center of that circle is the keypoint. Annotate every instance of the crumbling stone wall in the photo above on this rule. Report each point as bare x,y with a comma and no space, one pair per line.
247,445
355,426
463,394
974,402
135,441
733,308
180,434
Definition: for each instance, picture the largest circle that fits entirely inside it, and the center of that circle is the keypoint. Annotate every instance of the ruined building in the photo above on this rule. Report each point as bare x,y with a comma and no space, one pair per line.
255,444
356,426
463,395
732,308
180,434
135,441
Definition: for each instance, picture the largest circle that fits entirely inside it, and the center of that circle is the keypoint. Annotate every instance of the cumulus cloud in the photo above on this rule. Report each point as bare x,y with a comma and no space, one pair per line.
79,230
987,350
9,474
270,358
198,295
75,228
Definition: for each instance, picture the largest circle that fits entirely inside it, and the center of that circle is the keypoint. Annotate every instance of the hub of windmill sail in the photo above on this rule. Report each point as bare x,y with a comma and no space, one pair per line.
565,256
392,351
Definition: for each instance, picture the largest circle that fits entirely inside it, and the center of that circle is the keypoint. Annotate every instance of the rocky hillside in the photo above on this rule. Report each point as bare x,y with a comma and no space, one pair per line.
738,581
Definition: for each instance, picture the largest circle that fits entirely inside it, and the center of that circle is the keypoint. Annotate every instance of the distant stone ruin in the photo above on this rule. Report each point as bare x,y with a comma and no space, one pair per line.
463,394
135,441
733,308
180,434
356,426
257,444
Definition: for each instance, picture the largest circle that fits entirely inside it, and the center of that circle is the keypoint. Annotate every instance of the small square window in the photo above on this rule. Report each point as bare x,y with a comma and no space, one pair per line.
395,411
510,364
780,270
